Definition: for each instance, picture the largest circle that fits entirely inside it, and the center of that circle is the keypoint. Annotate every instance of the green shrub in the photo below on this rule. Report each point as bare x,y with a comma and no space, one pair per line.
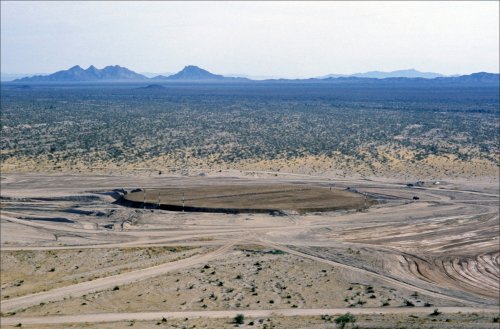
345,319
239,319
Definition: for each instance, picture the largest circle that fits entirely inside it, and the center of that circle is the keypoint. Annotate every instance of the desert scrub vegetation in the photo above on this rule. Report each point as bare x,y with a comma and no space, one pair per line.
219,125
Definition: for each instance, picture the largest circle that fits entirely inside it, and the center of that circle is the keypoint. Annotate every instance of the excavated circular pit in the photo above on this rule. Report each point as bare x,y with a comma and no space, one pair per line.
247,198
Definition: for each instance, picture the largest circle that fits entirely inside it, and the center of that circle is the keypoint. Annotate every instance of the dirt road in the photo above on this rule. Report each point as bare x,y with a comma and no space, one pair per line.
145,316
110,281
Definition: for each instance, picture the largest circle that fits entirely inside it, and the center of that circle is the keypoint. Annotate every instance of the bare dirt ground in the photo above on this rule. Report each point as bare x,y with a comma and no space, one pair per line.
72,257
250,198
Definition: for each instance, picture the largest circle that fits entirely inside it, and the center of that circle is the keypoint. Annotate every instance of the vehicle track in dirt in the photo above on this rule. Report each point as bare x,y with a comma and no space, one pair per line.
443,221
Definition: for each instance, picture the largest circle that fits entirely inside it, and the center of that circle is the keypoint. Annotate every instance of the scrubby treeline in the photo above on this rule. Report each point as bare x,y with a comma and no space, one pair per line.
227,124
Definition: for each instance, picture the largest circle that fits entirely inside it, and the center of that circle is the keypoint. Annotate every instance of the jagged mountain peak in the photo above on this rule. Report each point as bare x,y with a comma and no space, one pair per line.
193,72
196,73
77,74
75,68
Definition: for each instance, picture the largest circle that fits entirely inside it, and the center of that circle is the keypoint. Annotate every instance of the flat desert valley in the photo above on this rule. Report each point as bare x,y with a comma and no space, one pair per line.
253,204
77,253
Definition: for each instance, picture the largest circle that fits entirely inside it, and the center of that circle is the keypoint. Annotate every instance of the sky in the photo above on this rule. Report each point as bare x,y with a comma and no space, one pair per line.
286,39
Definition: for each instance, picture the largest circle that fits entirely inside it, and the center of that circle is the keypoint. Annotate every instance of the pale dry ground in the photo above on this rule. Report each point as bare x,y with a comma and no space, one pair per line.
397,162
289,319
28,272
441,249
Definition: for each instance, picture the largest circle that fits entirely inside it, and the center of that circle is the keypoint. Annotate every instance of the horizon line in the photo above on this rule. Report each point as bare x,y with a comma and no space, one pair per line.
246,75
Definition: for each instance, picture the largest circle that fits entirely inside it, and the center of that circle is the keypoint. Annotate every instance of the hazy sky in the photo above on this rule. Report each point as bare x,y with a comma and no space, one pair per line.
257,38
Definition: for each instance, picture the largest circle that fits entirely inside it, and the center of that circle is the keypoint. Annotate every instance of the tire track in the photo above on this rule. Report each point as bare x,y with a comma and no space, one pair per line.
369,273
151,316
83,288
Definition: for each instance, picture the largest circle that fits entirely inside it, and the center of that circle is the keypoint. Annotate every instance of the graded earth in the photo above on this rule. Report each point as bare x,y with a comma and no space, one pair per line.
74,256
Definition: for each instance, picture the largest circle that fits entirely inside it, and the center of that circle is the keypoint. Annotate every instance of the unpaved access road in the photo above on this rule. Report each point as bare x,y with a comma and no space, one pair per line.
110,281
145,316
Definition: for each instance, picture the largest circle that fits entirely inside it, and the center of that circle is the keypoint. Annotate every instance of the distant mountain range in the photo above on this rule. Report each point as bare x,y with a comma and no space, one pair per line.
152,74
411,73
4,76
480,78
77,74
193,73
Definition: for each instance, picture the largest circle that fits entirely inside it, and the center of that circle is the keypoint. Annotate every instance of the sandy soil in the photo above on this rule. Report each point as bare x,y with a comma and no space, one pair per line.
34,271
68,249
291,318
400,163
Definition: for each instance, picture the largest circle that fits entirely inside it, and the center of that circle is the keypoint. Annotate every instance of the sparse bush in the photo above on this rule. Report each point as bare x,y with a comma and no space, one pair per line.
435,312
326,317
239,319
345,319
408,303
